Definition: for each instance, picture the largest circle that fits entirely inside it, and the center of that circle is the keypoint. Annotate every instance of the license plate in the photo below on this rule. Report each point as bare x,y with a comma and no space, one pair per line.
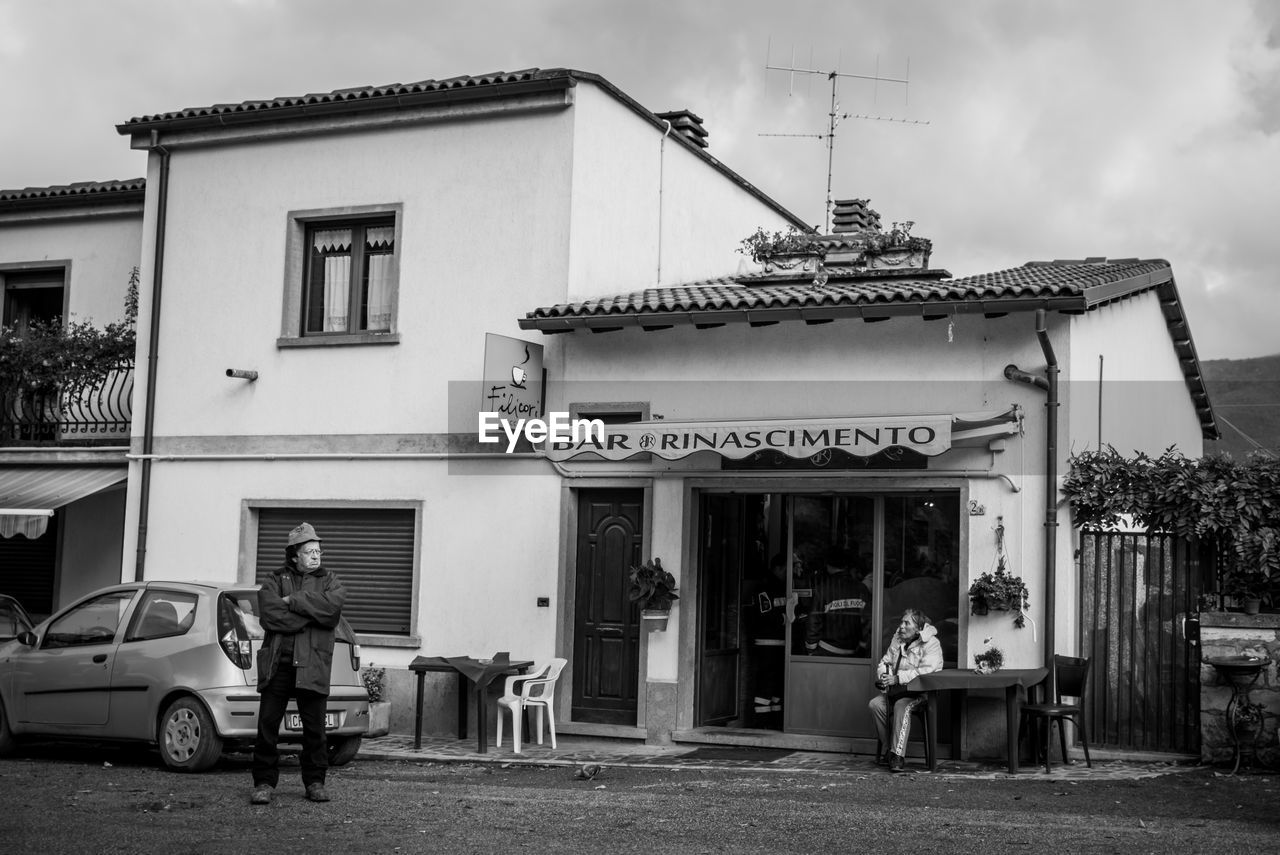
294,721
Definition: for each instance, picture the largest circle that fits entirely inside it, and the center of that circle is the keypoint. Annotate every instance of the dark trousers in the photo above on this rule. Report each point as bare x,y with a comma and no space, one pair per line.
271,709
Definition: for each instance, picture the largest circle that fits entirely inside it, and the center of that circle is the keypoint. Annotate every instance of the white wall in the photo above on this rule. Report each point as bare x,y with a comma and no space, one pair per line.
102,252
1145,402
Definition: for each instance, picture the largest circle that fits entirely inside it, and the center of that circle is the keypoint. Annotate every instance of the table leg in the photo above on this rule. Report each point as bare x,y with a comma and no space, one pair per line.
1011,726
482,732
462,705
417,719
931,715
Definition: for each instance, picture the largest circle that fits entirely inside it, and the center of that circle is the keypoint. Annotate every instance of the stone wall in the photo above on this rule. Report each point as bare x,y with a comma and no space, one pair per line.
1225,634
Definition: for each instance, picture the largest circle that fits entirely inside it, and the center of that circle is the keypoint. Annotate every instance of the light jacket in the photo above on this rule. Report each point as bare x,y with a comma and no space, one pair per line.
923,655
311,617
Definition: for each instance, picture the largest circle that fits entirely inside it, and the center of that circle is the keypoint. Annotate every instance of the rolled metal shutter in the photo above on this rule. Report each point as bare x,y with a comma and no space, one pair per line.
27,569
370,549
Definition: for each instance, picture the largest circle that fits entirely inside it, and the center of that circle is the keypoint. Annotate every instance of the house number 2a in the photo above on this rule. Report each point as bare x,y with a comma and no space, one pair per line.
975,509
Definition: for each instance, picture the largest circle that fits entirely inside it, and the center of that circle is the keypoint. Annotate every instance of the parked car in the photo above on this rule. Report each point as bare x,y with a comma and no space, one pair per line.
168,663
13,618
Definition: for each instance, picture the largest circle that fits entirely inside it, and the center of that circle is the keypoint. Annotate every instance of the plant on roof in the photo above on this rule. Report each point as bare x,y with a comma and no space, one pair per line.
1235,504
763,245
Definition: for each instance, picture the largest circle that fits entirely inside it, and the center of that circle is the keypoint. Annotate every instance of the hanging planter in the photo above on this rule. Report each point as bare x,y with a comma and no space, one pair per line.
653,589
999,590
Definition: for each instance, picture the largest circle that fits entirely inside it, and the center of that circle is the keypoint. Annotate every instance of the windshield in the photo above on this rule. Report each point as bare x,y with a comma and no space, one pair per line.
13,619
244,610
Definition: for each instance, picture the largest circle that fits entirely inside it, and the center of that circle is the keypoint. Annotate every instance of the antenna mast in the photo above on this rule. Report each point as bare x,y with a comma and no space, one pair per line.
834,117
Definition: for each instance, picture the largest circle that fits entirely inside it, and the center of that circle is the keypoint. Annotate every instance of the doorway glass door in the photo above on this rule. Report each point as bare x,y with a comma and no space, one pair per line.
799,596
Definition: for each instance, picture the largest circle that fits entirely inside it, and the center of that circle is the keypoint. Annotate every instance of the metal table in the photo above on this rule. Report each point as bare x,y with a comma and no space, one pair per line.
963,680
480,672
1241,672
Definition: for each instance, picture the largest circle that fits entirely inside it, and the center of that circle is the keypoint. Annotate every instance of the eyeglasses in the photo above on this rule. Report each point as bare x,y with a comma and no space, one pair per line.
312,553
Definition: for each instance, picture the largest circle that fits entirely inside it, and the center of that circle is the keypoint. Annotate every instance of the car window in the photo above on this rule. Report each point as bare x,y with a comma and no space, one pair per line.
244,609
92,622
12,620
163,614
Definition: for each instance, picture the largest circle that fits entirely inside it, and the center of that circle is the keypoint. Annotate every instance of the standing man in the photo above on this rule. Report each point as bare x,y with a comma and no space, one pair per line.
300,605
913,651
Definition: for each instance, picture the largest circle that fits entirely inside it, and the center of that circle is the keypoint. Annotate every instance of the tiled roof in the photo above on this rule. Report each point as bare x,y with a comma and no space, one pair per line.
358,96
751,298
765,299
88,192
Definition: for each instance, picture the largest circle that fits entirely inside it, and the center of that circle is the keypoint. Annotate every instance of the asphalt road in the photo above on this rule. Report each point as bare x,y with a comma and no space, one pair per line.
92,799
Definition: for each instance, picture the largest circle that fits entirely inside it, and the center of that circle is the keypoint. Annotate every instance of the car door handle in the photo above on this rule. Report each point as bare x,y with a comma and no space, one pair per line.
100,658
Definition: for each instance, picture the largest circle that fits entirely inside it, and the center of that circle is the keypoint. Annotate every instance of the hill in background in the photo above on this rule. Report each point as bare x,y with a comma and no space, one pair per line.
1245,394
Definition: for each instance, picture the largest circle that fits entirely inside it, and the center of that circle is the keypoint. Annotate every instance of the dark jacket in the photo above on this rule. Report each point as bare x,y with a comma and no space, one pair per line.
840,622
310,618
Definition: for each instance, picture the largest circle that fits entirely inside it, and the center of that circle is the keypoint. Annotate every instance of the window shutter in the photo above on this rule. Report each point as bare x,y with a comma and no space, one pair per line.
27,569
371,550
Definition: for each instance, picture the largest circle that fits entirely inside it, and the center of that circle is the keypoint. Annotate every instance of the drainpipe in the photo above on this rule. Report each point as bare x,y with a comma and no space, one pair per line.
1049,383
662,159
153,342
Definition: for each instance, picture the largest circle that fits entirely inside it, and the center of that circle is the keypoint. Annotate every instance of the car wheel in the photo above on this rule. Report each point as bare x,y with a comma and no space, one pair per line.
188,740
7,743
343,750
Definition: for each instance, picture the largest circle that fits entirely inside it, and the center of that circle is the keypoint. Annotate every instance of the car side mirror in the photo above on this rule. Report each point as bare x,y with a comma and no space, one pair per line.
28,638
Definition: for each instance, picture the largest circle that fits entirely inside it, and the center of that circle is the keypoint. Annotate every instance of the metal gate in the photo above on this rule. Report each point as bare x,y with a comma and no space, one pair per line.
1138,621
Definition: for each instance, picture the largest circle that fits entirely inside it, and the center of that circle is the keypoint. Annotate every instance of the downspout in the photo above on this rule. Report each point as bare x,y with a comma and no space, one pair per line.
153,342
1050,384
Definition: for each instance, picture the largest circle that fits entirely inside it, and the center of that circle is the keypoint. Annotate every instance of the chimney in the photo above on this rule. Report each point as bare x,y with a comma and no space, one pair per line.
853,215
687,123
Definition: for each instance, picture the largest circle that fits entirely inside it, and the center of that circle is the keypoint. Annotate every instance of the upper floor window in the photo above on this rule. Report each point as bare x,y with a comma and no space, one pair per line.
349,269
31,296
342,276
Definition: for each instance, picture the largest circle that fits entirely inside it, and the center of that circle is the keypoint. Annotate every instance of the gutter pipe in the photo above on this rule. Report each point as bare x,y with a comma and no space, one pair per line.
1049,383
153,342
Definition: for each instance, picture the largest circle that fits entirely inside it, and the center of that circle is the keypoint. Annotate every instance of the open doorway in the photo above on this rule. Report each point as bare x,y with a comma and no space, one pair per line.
799,595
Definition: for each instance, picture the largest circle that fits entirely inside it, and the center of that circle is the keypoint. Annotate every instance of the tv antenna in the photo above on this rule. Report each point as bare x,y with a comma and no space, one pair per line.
835,117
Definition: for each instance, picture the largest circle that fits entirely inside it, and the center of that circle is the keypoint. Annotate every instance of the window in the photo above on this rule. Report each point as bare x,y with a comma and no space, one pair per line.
342,277
370,549
349,277
163,614
32,296
94,622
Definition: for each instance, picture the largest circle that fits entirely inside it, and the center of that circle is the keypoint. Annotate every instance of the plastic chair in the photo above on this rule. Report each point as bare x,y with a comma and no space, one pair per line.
537,690
1070,678
930,747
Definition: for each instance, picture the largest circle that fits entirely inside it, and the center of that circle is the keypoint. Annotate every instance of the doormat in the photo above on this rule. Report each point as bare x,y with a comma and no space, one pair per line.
743,754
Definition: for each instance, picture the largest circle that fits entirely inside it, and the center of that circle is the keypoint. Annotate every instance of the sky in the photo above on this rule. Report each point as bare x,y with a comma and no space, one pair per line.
1029,130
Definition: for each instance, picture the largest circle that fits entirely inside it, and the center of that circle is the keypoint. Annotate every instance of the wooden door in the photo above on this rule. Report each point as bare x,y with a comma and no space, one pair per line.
606,623
718,697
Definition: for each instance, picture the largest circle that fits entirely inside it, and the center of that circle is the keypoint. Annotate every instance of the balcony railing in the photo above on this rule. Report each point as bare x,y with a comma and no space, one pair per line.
98,415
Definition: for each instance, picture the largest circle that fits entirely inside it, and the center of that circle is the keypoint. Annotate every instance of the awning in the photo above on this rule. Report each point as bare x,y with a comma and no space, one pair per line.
30,494
929,435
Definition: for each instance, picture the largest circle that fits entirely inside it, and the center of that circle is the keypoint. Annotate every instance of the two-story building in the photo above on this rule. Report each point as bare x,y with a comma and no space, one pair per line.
67,256
334,285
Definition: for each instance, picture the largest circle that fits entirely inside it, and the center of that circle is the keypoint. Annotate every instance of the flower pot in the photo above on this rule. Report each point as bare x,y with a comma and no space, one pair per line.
379,718
978,608
655,619
1252,605
986,668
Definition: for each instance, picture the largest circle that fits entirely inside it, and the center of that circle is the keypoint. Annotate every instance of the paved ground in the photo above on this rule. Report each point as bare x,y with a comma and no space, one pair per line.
580,751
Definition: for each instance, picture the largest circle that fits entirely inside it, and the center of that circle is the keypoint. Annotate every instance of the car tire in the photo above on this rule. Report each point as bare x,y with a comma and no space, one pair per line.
343,749
8,744
187,738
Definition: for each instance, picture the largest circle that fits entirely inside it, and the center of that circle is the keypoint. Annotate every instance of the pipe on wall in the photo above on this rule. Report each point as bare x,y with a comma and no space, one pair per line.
1048,383
153,343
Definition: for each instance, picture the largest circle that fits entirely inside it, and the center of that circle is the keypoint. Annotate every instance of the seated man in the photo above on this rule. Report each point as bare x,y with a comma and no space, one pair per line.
913,651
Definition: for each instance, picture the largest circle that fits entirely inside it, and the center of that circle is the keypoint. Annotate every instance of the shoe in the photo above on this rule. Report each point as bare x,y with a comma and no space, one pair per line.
316,793
261,795
897,763
882,759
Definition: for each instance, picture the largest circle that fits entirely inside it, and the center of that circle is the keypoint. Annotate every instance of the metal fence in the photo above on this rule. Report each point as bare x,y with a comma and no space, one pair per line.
98,415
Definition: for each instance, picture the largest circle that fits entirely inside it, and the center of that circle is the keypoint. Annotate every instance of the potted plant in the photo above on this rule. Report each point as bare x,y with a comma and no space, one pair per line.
988,661
785,250
654,589
1247,585
1001,591
375,683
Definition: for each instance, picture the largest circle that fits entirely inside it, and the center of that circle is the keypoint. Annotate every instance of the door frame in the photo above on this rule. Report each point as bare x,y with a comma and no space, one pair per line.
843,482
566,594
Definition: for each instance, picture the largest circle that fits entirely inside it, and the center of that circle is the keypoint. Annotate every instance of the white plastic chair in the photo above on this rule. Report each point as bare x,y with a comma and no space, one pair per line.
536,689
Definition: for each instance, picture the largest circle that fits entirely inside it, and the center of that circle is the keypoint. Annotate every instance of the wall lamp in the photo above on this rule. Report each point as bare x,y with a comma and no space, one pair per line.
242,374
